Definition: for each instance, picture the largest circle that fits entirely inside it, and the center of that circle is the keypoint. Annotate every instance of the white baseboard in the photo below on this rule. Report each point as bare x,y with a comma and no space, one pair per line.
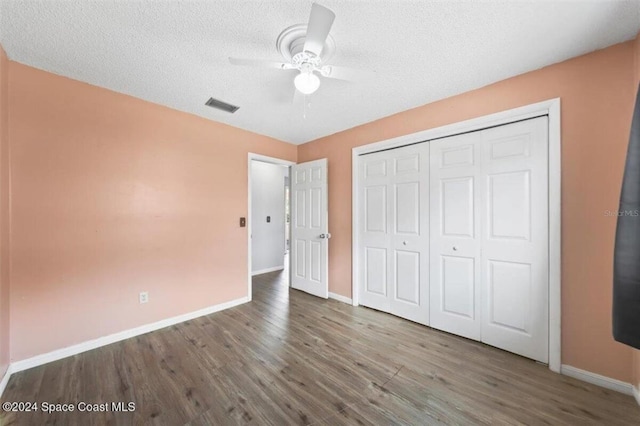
5,379
597,379
340,298
636,393
116,337
264,271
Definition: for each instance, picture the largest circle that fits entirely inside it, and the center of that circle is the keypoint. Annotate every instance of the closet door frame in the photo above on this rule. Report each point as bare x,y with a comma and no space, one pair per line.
550,108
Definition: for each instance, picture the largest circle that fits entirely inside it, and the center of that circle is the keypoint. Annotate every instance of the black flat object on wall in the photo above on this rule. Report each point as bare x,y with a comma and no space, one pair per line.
626,263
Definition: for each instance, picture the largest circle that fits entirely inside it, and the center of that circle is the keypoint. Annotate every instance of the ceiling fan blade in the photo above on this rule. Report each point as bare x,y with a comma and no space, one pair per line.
344,73
261,63
320,22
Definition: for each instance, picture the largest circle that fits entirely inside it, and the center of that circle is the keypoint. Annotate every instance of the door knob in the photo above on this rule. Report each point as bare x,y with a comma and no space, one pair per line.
323,236
404,243
455,248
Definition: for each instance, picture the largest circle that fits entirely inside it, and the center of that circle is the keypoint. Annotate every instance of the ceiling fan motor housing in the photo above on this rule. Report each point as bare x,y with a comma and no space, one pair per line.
302,58
290,44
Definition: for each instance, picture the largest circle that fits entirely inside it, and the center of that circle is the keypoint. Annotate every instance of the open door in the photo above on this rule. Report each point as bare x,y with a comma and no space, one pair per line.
310,228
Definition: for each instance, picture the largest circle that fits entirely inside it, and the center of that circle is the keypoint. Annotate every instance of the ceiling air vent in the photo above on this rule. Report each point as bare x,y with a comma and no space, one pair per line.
215,103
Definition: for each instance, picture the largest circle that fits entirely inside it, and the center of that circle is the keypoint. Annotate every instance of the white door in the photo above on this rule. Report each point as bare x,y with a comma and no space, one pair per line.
515,236
310,228
455,235
394,232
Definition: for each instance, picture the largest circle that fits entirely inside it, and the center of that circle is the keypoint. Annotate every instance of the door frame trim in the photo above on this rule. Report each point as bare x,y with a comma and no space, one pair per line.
551,108
265,159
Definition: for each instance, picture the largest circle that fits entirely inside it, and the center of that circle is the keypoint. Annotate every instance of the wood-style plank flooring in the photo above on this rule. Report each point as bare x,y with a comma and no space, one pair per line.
290,358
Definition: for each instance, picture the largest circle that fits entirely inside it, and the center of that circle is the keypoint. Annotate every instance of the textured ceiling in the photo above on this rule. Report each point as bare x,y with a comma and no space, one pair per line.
175,53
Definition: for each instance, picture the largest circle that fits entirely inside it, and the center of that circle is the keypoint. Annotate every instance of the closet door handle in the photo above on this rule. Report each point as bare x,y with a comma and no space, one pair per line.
455,248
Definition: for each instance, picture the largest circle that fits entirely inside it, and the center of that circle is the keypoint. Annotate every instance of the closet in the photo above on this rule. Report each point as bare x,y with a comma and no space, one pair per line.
453,233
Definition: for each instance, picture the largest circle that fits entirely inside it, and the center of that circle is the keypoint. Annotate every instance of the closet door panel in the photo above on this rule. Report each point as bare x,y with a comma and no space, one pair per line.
394,232
373,247
409,232
455,237
515,236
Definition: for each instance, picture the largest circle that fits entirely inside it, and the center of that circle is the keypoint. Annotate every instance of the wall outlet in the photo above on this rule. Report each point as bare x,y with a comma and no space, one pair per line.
144,297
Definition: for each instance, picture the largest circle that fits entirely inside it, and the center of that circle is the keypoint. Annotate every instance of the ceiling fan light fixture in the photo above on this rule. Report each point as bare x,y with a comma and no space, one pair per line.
306,82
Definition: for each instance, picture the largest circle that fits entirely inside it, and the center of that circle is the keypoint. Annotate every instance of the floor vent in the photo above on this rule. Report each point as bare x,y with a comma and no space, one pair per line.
215,103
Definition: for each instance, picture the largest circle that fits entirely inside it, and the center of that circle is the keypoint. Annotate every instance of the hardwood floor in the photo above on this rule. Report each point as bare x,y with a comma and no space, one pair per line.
291,358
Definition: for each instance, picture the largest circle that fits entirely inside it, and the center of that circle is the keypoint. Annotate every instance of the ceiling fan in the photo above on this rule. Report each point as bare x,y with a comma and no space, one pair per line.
306,47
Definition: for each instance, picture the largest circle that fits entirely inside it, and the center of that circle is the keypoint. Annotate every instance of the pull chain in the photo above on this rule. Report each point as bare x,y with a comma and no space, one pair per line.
304,108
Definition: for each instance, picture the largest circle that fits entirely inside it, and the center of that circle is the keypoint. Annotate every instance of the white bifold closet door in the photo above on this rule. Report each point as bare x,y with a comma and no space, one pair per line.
394,232
515,238
489,237
455,235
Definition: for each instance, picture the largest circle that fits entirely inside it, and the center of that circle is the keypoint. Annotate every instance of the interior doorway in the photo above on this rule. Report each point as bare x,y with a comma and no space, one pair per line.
268,220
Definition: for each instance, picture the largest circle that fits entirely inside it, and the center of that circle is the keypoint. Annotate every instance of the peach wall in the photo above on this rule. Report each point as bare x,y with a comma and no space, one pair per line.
4,214
112,195
636,84
596,114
